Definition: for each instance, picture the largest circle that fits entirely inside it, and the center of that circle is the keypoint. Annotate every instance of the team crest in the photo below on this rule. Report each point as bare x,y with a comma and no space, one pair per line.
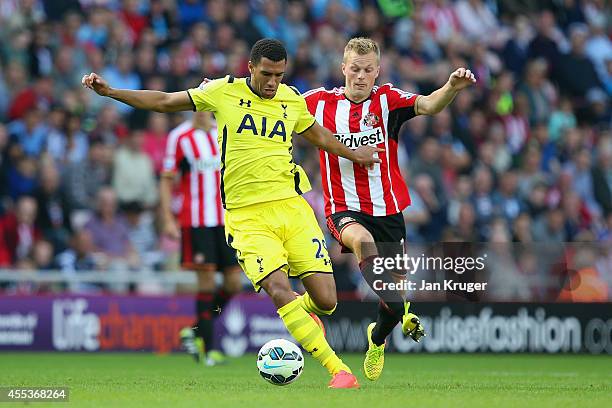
371,119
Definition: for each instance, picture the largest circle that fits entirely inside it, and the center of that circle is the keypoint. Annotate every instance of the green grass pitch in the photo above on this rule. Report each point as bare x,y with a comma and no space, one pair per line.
146,380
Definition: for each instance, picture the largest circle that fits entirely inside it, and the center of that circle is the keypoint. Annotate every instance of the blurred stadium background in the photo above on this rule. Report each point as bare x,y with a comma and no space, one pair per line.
521,161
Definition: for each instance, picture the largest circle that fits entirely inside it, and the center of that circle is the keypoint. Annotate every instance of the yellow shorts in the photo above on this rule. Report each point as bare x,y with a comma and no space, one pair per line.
281,234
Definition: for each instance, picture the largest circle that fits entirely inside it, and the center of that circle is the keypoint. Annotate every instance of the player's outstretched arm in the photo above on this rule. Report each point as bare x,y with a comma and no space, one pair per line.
142,99
325,140
442,97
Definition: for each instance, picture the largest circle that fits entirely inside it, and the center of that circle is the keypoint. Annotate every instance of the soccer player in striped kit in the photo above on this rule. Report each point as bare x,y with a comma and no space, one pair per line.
364,206
192,153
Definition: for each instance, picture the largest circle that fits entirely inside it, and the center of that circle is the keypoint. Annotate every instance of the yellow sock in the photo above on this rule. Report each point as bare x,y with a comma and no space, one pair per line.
310,336
311,307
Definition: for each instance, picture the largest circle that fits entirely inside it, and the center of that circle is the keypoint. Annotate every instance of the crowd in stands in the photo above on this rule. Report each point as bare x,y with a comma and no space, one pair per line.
523,156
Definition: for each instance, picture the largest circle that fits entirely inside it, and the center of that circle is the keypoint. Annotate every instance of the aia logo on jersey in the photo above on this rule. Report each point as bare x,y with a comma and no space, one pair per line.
371,119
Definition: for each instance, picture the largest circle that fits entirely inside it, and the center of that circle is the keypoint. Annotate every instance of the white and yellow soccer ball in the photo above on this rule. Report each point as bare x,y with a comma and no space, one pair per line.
280,362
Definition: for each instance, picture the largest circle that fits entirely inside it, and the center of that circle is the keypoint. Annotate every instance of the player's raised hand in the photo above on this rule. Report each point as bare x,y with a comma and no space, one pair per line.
367,156
461,78
96,83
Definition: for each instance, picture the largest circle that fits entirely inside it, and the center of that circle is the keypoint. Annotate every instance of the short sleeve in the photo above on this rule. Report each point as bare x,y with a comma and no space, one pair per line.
207,97
312,98
399,99
401,108
305,118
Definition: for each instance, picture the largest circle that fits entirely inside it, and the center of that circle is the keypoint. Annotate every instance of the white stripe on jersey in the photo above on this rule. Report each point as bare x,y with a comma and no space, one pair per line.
208,177
346,166
193,180
319,118
312,91
384,107
374,175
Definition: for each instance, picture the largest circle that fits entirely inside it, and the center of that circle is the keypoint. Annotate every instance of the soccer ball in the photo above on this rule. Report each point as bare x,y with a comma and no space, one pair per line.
280,362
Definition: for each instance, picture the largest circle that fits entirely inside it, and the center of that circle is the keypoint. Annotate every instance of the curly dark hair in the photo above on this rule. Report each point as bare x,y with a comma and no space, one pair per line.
270,48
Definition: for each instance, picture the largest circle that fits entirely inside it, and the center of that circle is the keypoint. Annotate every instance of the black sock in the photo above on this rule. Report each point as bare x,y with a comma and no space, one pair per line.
204,308
389,315
391,305
221,298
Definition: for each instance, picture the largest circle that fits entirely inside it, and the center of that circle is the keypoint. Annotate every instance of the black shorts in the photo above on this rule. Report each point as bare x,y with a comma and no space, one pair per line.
205,246
388,229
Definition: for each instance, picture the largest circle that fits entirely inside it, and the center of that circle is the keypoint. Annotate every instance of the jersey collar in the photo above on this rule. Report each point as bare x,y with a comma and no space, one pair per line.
248,82
353,102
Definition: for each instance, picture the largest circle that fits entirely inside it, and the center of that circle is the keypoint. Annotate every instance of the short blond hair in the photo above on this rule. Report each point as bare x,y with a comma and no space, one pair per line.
361,46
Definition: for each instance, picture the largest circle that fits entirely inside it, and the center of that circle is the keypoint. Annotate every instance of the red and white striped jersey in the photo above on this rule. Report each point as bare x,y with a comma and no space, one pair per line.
374,122
194,153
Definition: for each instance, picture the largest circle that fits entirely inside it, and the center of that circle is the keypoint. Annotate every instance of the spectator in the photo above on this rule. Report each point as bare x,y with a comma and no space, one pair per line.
30,132
477,21
505,199
133,174
83,179
428,162
53,216
441,20
561,119
271,23
122,75
141,232
190,12
425,187
79,258
21,177
19,229
521,229
580,170
601,174
548,41
598,46
550,227
42,255
95,31
154,140
539,92
243,26
575,70
110,234
70,145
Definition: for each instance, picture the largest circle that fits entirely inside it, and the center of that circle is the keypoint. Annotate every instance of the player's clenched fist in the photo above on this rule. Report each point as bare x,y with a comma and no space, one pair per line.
461,78
96,83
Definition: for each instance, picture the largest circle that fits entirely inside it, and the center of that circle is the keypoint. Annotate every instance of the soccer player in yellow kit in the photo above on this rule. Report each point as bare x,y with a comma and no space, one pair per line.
271,227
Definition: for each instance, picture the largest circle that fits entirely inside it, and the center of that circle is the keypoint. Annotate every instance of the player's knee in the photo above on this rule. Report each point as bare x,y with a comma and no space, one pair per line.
328,307
279,291
327,304
363,242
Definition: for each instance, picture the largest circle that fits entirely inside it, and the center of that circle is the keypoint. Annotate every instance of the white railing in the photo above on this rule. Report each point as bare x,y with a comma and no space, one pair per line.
56,276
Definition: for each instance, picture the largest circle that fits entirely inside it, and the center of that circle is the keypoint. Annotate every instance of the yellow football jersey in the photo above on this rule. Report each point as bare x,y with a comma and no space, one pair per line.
255,139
